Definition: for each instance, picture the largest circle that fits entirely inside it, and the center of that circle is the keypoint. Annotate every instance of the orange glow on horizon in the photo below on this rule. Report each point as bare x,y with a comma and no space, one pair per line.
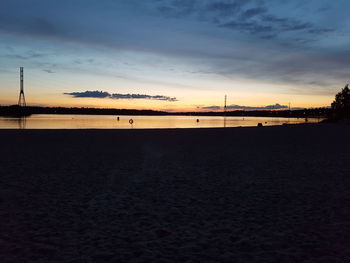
189,100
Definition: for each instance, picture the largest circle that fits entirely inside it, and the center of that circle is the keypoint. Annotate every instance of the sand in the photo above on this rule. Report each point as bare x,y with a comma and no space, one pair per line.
270,194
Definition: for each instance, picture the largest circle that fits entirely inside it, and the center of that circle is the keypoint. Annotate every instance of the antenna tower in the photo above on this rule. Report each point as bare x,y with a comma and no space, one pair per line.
225,106
21,100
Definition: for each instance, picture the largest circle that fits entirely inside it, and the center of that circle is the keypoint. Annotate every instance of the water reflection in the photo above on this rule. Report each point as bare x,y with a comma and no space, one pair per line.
140,122
22,123
13,123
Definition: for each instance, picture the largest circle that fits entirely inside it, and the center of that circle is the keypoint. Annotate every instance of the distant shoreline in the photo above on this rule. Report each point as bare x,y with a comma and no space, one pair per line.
26,111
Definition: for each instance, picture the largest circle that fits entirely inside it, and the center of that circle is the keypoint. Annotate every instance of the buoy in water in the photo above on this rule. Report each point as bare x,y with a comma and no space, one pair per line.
131,121
197,120
117,118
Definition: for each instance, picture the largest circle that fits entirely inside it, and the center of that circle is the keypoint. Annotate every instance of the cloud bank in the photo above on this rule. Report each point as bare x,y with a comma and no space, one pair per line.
299,47
239,107
251,16
104,94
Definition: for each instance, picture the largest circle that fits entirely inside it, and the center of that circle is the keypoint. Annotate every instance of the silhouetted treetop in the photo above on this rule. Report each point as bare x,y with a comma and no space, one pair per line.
341,104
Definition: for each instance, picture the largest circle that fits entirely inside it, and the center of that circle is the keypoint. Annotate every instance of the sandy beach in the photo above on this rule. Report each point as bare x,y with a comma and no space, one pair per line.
270,194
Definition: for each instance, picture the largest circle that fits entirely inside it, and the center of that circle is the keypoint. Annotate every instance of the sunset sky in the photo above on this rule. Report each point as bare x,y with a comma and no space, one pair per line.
176,54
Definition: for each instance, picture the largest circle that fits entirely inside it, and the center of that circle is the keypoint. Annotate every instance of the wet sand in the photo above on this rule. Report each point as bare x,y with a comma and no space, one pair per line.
270,194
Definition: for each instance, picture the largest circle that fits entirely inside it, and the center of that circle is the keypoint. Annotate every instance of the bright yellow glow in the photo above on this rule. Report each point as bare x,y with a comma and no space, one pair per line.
192,94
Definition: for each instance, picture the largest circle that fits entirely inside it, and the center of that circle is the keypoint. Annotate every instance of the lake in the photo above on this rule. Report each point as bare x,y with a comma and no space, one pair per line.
53,121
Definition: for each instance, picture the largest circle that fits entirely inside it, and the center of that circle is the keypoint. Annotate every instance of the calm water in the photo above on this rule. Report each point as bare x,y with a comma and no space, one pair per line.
45,121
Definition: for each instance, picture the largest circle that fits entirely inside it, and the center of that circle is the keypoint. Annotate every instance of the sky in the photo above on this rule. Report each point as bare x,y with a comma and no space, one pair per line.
174,55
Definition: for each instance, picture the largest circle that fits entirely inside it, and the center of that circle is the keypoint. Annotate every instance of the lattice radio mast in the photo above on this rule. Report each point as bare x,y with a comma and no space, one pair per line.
21,100
225,106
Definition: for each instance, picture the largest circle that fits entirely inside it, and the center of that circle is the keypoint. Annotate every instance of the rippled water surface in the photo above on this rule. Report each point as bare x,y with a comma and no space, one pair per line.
46,121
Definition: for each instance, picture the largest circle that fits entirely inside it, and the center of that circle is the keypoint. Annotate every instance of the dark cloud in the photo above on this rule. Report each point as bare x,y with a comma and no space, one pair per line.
89,94
253,12
269,26
256,39
210,108
320,30
251,17
177,8
82,61
250,27
239,107
28,55
28,25
41,26
49,71
248,16
287,24
104,94
142,96
201,8
268,107
274,19
224,7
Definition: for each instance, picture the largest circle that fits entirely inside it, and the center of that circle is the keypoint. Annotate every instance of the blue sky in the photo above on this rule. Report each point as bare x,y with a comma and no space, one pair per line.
257,52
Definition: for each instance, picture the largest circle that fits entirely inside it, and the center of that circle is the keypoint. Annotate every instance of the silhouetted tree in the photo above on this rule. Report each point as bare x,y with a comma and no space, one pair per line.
341,104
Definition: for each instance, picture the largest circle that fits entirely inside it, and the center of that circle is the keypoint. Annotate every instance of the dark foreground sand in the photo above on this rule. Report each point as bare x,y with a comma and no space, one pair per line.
271,194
